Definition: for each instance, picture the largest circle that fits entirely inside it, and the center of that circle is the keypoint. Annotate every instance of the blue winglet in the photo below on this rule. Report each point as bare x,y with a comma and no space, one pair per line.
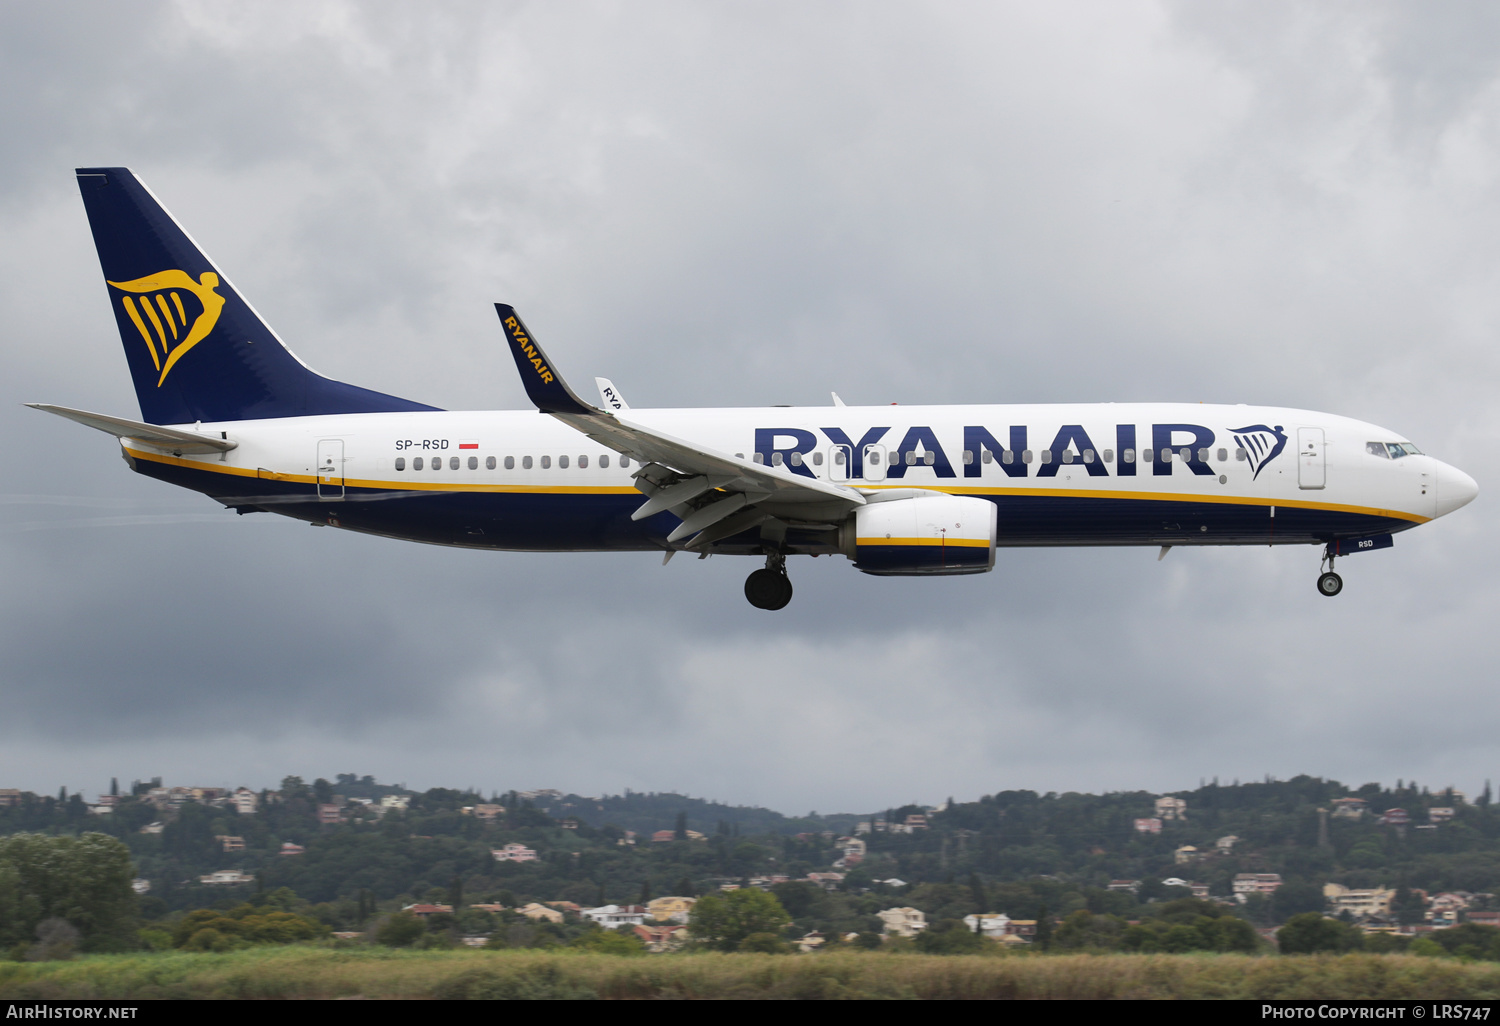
543,384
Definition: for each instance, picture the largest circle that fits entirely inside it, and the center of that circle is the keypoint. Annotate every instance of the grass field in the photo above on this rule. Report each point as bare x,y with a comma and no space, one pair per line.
313,972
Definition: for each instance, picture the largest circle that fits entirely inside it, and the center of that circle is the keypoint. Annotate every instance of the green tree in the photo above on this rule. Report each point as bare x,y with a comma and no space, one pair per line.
724,920
84,880
1310,933
401,930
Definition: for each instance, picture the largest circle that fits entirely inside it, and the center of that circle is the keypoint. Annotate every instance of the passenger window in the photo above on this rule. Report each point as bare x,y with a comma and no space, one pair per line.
400,462
510,463
562,463
525,462
437,463
760,457
817,459
968,457
776,459
1046,455
796,459
1127,455
1026,456
1223,455
604,461
1109,455
1008,456
873,458
929,458
1185,454
989,457
583,463
546,462
489,463
624,462
1146,455
1241,455
1088,455
1067,456
416,464
1202,455
838,457
473,462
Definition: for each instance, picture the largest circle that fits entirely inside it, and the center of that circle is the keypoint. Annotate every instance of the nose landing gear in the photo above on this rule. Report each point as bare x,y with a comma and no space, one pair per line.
770,588
1329,583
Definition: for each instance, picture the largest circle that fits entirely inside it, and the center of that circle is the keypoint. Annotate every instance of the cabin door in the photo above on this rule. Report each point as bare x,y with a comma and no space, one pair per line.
1311,459
330,469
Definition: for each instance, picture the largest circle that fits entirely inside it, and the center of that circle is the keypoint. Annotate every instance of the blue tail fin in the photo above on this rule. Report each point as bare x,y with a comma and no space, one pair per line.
197,350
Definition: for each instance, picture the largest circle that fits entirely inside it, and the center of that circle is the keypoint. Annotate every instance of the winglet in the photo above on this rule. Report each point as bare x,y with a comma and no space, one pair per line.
543,384
610,395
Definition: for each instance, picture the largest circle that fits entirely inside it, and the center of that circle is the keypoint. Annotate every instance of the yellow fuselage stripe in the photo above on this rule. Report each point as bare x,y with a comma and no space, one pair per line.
977,491
972,543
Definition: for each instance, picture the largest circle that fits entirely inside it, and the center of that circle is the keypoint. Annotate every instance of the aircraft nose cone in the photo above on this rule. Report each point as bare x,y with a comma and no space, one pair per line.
1454,489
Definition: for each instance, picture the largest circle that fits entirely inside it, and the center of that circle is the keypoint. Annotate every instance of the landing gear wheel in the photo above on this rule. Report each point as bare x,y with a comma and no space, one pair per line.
767,589
1330,584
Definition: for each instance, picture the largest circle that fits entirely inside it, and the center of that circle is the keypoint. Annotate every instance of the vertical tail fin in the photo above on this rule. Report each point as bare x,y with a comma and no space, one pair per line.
197,350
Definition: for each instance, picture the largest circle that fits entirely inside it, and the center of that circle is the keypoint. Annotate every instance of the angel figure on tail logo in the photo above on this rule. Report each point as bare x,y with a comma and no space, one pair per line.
169,335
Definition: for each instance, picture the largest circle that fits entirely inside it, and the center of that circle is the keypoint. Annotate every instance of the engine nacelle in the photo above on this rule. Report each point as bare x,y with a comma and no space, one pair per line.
922,533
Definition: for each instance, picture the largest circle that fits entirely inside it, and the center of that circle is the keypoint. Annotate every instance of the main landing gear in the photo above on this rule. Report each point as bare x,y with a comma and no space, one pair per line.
1329,583
770,588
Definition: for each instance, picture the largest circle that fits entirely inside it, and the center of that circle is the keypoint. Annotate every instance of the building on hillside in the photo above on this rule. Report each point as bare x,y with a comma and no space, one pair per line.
1349,808
663,836
827,881
536,911
10,797
1186,855
330,815
903,922
513,853
1395,817
155,827
492,907
230,842
1439,814
671,909
1171,808
613,916
1125,886
1225,844
423,911
809,942
244,801
288,848
395,801
1246,884
659,937
991,924
1483,917
226,876
488,812
1359,903
140,885
1148,825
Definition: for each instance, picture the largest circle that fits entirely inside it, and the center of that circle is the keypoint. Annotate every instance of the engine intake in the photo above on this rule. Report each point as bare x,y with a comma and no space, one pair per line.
921,534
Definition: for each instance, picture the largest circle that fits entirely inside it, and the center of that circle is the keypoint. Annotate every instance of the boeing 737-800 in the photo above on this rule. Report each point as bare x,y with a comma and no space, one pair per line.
227,410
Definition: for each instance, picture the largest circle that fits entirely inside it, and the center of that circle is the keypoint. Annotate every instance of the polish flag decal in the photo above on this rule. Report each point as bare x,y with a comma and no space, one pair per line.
468,445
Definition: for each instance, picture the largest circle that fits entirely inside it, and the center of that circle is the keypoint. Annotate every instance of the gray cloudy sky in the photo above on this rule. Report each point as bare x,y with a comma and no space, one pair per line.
748,204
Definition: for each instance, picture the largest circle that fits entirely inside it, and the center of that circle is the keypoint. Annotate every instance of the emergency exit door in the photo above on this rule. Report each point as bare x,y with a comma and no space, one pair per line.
330,468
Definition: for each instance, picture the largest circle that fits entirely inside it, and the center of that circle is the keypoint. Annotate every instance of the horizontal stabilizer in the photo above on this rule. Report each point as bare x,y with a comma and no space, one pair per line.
153,435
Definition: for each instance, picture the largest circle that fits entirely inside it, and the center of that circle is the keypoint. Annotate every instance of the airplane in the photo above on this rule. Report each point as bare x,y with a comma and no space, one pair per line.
227,410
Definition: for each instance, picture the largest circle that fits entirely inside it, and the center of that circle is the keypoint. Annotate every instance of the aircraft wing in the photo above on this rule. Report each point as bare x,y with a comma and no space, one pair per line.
715,494
154,435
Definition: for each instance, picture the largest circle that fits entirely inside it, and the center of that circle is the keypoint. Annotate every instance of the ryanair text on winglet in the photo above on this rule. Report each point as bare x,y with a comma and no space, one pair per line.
530,350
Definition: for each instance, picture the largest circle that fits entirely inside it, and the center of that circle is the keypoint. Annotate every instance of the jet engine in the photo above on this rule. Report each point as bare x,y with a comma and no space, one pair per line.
918,533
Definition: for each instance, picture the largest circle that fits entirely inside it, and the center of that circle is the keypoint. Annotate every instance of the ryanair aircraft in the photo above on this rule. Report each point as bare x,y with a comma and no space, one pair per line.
227,410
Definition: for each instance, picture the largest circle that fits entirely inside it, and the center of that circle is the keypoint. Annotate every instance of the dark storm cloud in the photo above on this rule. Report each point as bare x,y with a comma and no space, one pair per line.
724,206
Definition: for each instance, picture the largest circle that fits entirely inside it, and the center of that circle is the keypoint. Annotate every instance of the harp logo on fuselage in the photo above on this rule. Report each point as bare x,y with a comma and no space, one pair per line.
168,325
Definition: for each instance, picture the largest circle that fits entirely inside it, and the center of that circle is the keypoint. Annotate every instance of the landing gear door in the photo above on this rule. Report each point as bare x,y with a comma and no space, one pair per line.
874,462
330,468
1311,458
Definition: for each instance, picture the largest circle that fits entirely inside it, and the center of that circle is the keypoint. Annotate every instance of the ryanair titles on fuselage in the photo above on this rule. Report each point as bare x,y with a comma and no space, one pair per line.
1188,444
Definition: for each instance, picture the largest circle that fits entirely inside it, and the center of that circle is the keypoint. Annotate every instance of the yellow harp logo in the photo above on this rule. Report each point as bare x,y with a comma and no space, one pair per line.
169,335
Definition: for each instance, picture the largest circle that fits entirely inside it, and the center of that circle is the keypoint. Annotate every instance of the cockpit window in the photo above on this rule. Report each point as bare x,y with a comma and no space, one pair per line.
1392,450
